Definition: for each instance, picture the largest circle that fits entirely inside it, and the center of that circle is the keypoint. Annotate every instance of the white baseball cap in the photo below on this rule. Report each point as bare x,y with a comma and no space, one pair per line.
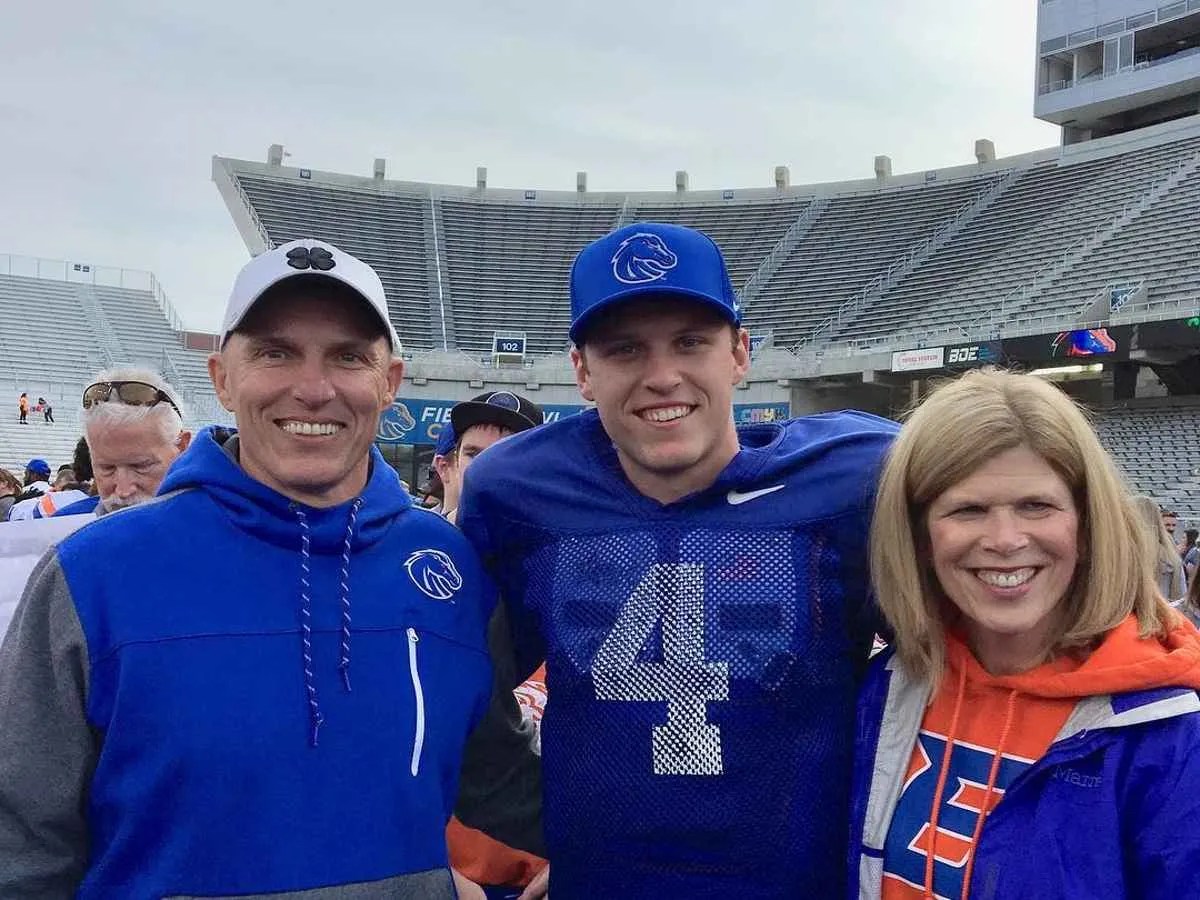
299,259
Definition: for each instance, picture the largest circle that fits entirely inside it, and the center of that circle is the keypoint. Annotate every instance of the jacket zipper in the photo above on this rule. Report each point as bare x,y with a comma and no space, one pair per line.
419,696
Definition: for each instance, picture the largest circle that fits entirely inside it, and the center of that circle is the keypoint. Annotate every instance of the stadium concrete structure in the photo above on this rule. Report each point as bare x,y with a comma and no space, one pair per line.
1106,66
1081,260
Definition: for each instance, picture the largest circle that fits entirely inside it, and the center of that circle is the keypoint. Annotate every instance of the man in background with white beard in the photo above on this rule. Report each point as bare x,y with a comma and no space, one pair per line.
134,430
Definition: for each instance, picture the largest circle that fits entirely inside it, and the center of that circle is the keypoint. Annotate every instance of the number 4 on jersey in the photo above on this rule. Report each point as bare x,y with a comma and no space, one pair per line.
673,594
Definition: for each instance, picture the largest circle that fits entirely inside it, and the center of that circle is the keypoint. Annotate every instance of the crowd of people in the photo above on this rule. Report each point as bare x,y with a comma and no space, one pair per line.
632,653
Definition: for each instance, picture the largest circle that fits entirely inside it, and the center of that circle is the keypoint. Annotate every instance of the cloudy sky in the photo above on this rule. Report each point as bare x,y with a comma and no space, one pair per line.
112,111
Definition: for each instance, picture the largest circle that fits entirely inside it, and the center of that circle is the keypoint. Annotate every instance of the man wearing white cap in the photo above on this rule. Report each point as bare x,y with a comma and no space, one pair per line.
262,681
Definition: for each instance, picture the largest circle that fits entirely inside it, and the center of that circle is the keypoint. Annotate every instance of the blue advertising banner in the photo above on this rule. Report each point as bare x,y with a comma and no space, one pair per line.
421,421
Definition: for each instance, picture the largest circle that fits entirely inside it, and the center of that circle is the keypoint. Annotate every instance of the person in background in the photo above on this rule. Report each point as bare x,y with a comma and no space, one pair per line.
10,488
23,408
1170,521
475,425
81,461
133,427
1034,728
1191,554
36,483
37,476
435,488
1164,561
47,410
63,492
1191,606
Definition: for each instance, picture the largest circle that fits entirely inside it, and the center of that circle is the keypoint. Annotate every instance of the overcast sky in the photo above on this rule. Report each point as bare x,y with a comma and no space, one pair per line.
111,112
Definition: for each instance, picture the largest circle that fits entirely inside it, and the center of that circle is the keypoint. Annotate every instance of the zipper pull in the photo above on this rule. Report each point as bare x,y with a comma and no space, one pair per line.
413,636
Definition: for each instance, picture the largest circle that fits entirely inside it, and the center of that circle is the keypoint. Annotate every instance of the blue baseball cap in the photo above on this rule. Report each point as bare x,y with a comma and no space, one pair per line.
446,440
649,259
38,467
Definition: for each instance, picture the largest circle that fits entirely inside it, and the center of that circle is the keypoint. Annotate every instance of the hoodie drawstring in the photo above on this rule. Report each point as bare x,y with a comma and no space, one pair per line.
344,660
315,718
993,774
943,775
941,782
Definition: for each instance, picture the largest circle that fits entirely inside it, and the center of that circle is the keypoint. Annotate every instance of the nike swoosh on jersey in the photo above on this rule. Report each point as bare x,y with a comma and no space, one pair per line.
737,498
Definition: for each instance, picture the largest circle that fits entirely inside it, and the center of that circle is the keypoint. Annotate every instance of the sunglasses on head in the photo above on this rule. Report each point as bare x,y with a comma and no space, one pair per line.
131,393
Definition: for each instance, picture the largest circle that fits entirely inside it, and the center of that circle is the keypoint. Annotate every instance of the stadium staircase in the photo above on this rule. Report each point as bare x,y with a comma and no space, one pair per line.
439,282
1060,280
785,245
107,343
1157,247
53,443
861,302
507,265
979,278
851,245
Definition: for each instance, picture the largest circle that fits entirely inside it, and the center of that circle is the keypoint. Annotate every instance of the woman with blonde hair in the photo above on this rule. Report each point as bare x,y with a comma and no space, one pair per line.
1165,562
1034,730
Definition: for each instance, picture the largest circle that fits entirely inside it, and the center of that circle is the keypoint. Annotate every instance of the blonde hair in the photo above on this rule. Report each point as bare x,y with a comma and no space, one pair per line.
1163,557
958,428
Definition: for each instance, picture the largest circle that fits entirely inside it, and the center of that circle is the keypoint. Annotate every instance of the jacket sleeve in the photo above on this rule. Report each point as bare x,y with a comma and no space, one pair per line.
523,644
1165,807
500,791
47,749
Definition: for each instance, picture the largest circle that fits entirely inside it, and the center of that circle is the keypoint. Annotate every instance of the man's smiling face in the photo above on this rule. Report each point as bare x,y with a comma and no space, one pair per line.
307,375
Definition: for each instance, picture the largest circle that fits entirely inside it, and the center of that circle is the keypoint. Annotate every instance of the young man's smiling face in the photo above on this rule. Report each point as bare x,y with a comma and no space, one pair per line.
661,372
307,376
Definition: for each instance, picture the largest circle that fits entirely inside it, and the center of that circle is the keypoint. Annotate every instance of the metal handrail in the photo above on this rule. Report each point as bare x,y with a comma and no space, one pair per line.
253,213
885,279
1081,248
786,243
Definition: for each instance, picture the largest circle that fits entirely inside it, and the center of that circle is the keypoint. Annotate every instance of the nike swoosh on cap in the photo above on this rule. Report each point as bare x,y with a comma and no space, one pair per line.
737,498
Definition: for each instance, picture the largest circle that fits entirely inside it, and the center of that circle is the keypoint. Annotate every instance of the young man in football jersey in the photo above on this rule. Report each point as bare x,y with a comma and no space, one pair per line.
698,590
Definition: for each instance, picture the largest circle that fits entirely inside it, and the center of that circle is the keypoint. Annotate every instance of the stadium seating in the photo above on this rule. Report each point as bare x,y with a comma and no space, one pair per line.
507,265
53,443
1158,447
850,243
839,268
746,230
388,230
51,345
1048,210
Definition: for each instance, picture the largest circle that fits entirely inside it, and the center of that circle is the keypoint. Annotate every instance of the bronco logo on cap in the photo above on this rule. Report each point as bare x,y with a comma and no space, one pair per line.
505,400
642,258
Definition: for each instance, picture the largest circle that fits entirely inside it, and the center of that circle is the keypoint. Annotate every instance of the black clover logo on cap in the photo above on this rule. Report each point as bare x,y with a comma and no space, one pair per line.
311,257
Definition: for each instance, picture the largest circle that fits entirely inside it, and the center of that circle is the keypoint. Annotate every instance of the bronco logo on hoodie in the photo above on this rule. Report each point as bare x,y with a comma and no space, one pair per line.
434,574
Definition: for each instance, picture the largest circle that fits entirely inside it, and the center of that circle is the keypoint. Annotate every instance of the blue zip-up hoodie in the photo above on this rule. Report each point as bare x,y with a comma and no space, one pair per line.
278,695
1110,811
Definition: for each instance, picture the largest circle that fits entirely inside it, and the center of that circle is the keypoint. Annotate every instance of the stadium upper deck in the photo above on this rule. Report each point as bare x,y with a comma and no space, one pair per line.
981,250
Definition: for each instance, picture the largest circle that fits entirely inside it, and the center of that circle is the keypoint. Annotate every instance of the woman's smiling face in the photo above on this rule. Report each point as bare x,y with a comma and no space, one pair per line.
1004,544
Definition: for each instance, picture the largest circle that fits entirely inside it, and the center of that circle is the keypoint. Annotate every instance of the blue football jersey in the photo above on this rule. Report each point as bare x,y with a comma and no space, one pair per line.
702,656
